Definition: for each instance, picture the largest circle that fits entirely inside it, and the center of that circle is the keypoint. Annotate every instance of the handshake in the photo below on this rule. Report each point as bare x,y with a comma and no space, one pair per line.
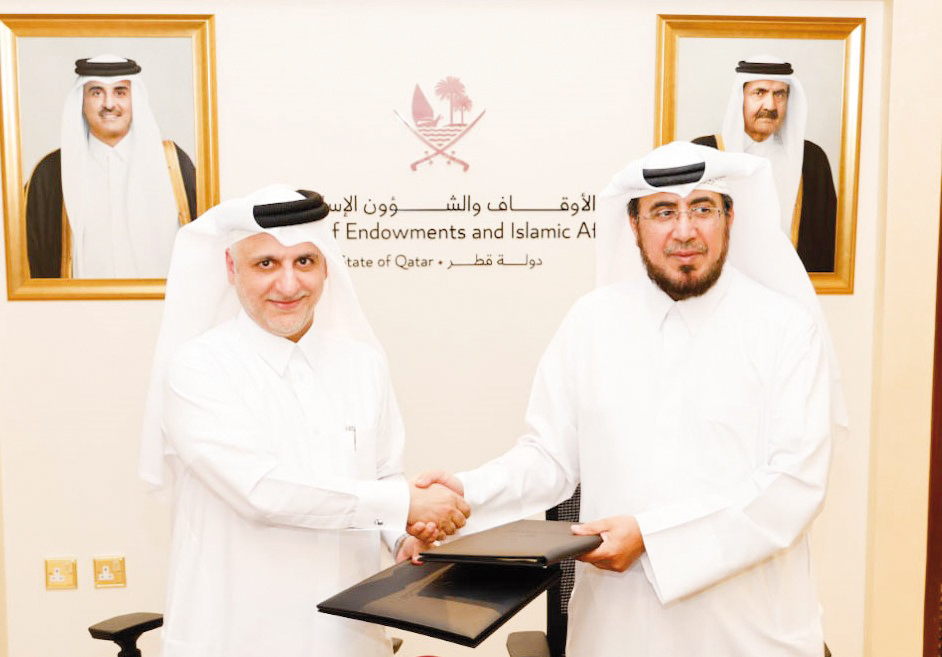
437,509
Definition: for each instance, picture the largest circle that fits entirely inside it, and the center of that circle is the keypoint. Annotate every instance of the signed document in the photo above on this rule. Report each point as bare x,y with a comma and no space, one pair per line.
522,543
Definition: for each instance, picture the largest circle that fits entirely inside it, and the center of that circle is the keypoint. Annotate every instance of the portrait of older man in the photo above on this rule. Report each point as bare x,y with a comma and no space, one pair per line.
766,116
108,202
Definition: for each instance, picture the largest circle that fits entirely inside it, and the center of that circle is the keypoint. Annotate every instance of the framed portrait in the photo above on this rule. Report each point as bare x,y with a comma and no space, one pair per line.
100,170
696,100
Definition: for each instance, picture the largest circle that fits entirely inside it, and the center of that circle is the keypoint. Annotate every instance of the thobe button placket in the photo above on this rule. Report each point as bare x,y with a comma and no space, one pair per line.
122,255
301,380
113,165
675,339
674,335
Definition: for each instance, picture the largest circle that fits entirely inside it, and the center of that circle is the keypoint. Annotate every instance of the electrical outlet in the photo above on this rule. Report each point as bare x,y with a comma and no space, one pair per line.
109,572
60,574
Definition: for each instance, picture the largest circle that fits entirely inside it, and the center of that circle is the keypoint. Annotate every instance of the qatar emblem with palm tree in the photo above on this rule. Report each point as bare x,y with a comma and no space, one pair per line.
441,137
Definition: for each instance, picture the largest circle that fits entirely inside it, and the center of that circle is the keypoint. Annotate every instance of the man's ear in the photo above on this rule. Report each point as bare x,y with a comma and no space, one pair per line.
633,222
230,267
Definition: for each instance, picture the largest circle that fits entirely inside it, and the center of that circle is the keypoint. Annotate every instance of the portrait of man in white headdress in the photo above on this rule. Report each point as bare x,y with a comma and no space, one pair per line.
108,202
767,116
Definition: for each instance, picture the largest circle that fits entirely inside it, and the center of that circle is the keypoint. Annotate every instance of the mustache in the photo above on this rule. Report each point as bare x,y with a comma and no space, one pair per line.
767,114
290,299
697,247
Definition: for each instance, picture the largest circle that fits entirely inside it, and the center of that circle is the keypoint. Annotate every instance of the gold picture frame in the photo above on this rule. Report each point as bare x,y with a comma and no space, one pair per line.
177,48
687,43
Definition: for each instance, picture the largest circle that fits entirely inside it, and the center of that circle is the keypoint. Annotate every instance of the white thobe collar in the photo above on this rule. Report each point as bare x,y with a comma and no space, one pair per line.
275,350
99,150
695,311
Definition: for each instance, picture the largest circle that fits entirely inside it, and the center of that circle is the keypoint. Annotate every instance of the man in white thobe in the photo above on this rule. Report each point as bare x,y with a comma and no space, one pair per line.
109,201
694,406
272,407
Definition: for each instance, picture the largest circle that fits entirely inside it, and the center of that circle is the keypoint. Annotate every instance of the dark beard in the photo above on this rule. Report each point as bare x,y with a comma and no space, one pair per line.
687,287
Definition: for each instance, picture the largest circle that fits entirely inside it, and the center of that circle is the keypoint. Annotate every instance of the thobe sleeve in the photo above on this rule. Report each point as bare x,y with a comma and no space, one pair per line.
390,455
540,470
211,429
695,543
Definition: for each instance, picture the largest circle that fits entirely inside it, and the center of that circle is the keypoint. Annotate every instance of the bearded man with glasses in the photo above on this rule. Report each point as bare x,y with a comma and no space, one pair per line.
695,406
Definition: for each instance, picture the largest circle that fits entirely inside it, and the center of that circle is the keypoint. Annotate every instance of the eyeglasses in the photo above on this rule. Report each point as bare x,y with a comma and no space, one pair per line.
699,214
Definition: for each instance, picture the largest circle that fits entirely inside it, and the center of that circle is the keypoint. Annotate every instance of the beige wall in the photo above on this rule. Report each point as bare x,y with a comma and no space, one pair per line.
904,319
569,99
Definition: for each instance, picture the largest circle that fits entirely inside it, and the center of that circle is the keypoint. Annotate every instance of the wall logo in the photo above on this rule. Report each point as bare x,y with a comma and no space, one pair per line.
438,136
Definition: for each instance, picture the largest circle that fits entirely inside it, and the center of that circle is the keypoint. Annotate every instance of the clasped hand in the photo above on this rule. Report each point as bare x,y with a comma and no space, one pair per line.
436,509
436,506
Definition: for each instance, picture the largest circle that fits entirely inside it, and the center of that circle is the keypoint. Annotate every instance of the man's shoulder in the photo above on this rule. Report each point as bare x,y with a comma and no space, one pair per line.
50,163
182,157
212,345
764,304
813,150
604,294
706,140
605,300
344,349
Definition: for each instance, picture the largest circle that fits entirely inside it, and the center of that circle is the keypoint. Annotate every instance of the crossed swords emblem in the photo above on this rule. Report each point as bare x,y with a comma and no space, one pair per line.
436,150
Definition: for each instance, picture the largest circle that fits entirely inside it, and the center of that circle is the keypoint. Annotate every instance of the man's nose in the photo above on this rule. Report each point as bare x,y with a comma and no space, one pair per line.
684,228
287,282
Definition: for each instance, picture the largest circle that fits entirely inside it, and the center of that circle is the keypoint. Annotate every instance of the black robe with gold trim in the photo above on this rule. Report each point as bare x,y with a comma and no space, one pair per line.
817,228
44,212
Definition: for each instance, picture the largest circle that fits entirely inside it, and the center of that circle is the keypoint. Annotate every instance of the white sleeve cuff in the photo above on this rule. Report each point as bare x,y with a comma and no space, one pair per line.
382,504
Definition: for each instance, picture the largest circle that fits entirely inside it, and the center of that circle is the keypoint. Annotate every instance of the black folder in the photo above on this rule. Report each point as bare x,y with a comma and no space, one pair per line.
521,543
459,602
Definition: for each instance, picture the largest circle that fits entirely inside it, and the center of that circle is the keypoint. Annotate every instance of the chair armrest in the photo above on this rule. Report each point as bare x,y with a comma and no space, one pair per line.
125,630
527,644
